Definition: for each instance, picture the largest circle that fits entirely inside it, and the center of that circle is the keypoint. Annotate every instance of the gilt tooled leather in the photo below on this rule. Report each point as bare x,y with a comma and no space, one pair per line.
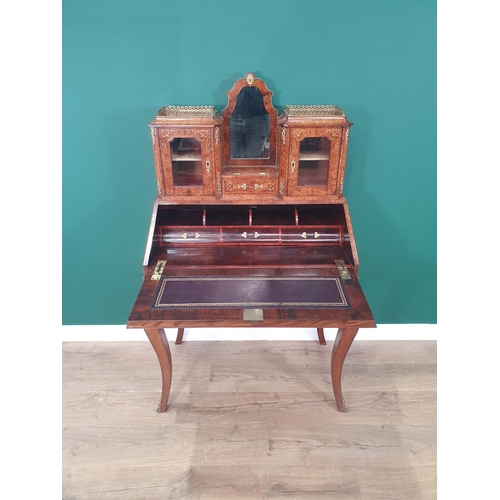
255,291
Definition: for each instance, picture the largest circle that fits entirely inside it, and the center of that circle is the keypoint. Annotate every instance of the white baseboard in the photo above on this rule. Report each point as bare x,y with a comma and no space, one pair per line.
95,333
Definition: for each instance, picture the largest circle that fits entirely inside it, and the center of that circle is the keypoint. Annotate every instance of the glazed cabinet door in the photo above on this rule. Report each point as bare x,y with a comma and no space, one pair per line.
314,161
186,165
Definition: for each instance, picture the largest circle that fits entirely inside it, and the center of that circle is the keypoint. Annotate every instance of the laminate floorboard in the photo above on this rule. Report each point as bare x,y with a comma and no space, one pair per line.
249,420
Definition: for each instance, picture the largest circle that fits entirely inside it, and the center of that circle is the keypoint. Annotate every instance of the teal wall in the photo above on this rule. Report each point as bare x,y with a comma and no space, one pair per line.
124,59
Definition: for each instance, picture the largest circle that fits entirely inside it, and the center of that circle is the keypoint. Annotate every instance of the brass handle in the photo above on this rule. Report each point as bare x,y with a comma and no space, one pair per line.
245,186
186,236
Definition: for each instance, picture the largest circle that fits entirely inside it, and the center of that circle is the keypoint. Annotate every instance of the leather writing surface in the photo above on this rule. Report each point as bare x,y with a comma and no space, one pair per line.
244,291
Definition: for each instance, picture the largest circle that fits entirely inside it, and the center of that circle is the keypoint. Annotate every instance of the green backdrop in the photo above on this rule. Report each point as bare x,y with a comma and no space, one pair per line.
124,59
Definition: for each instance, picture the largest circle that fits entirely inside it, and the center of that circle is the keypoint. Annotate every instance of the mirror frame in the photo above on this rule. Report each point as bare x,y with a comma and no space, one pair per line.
250,81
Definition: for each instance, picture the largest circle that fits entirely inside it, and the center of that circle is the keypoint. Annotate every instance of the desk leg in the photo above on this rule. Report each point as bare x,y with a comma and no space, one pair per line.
343,341
180,334
321,336
159,342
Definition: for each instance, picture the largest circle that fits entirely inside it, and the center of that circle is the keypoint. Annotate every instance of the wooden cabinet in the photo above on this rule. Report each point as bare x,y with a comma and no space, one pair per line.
186,144
250,226
314,149
299,156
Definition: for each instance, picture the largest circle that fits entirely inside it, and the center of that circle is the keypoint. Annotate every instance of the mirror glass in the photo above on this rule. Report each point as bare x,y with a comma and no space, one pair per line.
249,125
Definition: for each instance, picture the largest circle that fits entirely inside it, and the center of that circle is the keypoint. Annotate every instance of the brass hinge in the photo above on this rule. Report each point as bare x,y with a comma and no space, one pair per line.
160,265
344,273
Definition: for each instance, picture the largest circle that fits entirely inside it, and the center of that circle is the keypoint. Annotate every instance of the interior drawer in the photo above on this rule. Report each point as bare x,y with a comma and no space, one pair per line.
258,184
300,234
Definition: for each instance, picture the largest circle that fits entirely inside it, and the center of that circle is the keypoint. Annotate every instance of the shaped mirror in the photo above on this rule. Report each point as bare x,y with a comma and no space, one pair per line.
249,124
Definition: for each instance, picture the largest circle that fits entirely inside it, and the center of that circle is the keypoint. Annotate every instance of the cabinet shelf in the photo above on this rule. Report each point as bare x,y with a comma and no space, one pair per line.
239,257
186,157
313,155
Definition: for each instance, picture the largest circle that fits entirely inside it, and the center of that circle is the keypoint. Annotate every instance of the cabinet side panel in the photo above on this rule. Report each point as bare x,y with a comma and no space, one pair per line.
156,156
154,238
350,246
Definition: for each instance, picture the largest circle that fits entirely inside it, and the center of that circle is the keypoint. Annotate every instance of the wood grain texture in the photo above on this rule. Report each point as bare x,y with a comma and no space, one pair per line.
249,420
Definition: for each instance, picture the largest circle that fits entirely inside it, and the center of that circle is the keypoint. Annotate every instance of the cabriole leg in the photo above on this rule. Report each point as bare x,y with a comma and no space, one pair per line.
159,342
343,342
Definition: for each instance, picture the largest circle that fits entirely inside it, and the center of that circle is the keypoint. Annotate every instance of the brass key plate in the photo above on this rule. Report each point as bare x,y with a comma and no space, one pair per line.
253,315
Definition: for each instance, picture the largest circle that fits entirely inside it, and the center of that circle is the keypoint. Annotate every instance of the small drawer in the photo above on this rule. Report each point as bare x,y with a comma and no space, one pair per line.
250,185
311,234
250,234
189,235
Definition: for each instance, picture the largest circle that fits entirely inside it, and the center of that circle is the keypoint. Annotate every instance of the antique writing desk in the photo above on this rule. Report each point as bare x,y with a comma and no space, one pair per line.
250,226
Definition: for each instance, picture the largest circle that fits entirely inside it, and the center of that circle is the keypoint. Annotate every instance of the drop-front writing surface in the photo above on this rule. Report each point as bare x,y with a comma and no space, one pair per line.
250,226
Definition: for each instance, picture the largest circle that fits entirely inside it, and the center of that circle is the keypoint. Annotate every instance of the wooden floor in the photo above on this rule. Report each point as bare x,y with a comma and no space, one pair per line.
249,420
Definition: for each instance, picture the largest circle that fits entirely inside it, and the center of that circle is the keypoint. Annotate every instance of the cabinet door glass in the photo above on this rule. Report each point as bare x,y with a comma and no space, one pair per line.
186,162
313,161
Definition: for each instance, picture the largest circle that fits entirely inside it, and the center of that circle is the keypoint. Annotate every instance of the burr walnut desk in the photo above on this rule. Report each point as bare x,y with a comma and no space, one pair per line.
250,226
